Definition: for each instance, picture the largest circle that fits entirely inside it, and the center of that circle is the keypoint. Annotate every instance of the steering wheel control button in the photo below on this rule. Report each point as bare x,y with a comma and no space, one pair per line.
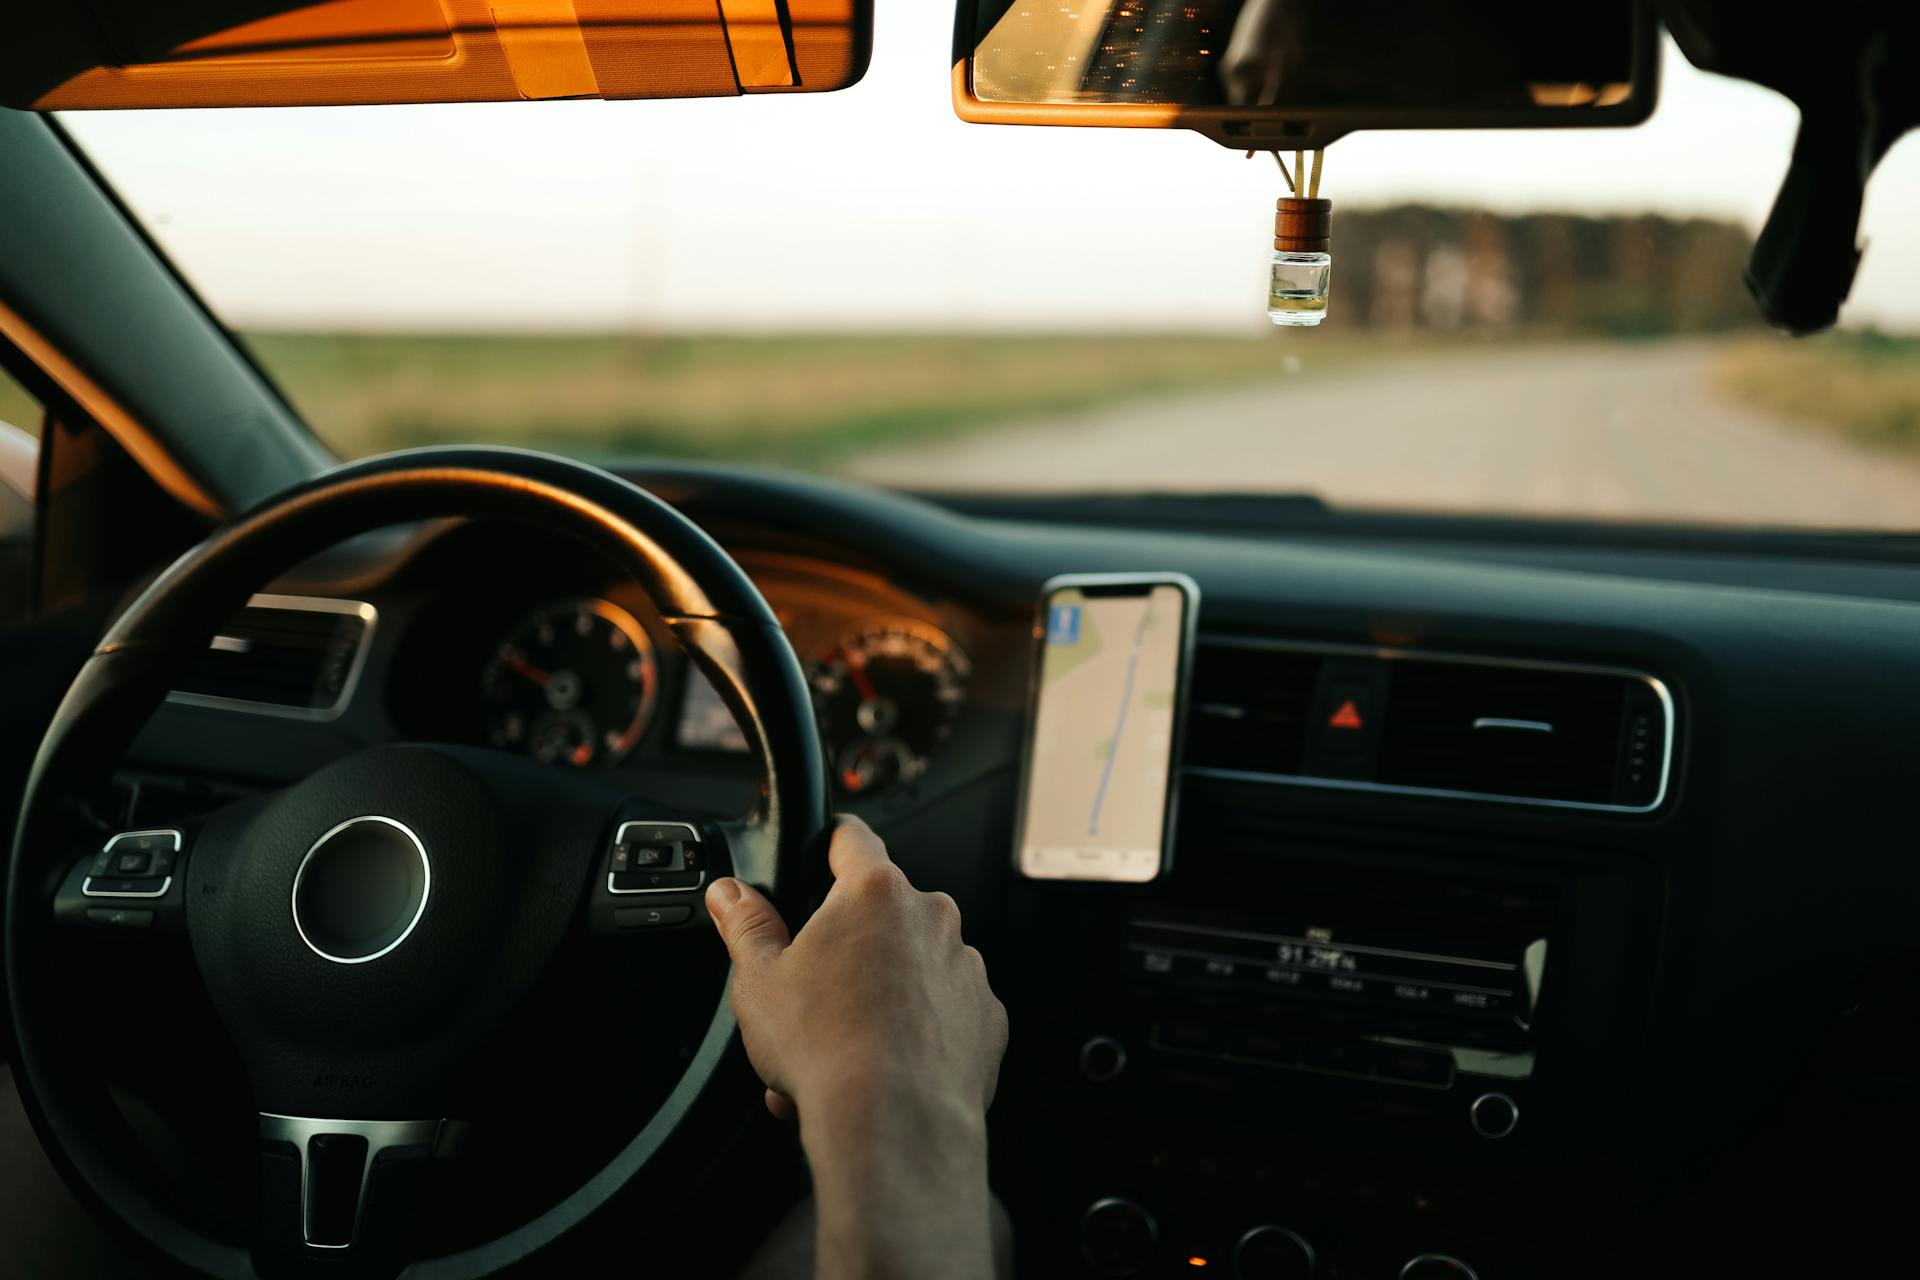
1494,1115
650,917
656,881
133,864
1102,1059
120,917
361,889
655,857
1437,1266
1118,1237
1270,1252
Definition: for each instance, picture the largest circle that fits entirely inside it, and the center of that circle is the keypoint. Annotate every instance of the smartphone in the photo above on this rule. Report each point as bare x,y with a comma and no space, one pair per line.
1113,653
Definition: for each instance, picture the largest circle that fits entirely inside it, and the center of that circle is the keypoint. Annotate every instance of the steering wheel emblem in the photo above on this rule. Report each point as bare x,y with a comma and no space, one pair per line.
361,889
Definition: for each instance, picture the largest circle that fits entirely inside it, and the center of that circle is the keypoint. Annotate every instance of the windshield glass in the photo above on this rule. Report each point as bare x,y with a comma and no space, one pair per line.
1542,323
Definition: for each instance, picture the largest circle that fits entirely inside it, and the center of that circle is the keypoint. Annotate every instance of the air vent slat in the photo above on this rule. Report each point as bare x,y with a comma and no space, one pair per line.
282,655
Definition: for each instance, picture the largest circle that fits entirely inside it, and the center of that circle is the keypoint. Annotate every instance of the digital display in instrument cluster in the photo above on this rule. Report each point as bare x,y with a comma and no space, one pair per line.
705,723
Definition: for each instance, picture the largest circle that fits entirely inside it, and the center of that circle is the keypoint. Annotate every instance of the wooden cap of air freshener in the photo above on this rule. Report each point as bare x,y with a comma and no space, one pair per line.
1302,226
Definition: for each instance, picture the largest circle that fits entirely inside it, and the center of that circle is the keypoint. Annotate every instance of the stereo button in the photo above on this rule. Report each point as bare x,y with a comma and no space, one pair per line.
1273,1253
1102,1059
1118,1237
1494,1115
1414,1066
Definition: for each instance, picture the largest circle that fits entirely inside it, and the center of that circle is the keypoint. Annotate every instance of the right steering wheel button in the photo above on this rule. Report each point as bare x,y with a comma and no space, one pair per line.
650,917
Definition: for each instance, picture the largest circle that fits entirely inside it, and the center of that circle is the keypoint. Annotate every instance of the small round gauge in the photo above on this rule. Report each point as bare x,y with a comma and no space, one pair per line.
886,697
573,684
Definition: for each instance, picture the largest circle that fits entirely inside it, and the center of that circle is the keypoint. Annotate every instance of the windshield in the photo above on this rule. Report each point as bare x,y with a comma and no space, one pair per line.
1539,323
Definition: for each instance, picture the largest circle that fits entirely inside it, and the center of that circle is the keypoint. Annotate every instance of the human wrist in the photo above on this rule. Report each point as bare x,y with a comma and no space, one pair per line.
881,1110
900,1180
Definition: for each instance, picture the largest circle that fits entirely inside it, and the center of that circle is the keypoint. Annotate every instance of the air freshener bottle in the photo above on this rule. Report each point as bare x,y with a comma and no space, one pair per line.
1302,235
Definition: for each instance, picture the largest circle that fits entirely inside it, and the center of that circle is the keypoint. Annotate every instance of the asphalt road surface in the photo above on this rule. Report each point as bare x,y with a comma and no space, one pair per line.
1608,430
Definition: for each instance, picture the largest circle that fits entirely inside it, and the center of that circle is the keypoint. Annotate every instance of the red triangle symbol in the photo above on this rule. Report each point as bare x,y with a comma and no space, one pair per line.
1347,717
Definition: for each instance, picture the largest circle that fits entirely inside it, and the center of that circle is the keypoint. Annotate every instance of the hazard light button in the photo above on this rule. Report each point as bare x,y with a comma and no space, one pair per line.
1348,707
1348,723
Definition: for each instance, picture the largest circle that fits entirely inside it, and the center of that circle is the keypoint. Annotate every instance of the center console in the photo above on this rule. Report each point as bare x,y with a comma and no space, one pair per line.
1360,1061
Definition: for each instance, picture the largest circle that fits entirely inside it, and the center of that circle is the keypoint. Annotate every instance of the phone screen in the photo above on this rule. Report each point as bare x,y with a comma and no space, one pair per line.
1100,760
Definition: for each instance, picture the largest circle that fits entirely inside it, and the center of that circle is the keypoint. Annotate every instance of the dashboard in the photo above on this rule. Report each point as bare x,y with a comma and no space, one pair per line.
1590,1002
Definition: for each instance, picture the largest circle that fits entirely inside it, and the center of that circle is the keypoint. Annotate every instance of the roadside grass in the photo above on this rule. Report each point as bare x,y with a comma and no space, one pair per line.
788,401
17,408
1863,385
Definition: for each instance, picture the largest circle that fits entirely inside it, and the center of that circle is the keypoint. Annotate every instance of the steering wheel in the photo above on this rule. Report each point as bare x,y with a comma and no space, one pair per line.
361,932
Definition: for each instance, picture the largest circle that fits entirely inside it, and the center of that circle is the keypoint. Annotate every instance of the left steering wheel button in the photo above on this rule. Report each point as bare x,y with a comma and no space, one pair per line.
120,917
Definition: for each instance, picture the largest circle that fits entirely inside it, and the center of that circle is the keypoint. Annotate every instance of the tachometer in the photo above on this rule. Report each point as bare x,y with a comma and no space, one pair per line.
886,697
571,684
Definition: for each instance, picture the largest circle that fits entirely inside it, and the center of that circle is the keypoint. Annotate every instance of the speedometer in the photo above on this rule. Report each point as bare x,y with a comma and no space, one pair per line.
886,697
573,683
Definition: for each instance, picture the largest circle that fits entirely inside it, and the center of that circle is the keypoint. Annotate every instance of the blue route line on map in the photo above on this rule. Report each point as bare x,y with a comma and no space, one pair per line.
1126,697
1106,772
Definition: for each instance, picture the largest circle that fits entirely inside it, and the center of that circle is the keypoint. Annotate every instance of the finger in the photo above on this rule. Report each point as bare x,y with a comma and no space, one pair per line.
753,931
781,1105
855,850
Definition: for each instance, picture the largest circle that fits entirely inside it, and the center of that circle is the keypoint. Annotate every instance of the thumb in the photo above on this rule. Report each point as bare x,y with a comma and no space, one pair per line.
753,931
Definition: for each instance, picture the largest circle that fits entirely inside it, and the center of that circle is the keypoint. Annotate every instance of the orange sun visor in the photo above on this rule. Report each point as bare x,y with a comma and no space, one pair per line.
66,55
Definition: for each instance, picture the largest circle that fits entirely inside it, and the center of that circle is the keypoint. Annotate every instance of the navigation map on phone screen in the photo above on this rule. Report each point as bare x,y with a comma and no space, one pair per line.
1101,755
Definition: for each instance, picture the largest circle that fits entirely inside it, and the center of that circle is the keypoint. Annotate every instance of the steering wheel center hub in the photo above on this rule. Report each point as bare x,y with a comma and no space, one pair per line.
361,889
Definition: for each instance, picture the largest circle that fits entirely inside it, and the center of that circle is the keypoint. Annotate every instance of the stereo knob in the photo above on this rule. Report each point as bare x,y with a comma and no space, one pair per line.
1102,1059
1437,1266
1494,1115
1117,1237
1269,1252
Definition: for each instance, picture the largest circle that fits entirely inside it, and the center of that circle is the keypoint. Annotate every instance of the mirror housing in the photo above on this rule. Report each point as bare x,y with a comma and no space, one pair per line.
1304,124
112,54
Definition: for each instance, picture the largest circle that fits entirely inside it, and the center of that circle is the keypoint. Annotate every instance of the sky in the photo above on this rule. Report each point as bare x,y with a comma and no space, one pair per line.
867,208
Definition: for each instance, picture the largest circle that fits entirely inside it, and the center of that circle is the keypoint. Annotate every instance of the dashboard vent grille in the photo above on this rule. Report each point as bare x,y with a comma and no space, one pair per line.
1401,721
1249,708
1549,735
283,655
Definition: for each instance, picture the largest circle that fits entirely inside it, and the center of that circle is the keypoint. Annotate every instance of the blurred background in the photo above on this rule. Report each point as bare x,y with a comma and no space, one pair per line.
856,283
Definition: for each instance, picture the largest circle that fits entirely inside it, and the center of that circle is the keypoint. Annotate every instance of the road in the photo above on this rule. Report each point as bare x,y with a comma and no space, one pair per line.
1609,430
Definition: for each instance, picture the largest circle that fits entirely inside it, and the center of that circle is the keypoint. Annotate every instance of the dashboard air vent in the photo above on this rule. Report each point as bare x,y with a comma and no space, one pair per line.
1516,731
1412,723
1249,708
283,655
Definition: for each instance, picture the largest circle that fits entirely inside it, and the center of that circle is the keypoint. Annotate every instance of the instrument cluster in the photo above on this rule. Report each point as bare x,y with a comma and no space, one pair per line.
580,681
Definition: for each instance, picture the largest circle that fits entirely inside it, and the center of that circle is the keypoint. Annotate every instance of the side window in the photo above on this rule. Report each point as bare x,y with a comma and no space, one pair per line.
19,461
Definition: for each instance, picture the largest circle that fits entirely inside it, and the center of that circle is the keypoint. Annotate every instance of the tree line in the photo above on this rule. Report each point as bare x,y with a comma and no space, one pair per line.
1415,266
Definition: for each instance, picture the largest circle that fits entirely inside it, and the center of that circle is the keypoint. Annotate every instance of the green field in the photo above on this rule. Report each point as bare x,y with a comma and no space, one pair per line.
1864,386
778,400
17,408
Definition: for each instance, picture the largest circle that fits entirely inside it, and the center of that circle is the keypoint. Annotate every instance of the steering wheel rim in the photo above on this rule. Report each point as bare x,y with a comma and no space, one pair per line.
710,606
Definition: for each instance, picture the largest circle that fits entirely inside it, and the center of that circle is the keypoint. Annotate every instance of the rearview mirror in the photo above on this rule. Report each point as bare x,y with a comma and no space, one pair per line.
219,53
1297,74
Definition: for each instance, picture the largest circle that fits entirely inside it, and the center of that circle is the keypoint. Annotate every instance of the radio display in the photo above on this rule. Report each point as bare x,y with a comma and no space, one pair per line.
1375,969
